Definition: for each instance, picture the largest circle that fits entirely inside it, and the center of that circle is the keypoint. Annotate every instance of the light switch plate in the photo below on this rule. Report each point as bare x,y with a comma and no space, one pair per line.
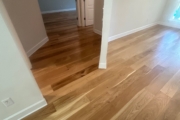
8,102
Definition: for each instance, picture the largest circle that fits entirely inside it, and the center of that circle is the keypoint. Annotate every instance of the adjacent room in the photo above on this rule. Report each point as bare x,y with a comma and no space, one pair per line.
100,60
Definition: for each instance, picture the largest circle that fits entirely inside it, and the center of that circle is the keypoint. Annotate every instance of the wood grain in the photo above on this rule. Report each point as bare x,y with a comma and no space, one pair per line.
130,111
172,109
171,87
140,83
154,108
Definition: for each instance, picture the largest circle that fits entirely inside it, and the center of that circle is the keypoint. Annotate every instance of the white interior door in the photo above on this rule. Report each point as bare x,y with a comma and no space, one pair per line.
89,12
78,11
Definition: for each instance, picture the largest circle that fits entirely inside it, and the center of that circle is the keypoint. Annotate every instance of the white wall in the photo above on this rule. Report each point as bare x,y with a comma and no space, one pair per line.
126,17
167,16
16,80
105,33
132,14
98,15
56,5
27,20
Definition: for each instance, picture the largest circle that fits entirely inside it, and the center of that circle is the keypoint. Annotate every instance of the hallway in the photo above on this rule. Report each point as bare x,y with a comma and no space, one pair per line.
71,52
141,82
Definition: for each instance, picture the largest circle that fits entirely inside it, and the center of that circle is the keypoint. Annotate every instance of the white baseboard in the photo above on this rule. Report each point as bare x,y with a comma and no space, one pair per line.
36,47
97,31
102,65
27,111
130,32
54,11
169,24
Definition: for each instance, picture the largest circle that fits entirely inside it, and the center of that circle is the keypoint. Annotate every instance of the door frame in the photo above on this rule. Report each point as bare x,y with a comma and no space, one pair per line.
83,12
78,11
107,13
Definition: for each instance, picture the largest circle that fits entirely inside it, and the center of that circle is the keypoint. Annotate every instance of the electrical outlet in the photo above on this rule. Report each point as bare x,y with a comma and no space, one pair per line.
8,102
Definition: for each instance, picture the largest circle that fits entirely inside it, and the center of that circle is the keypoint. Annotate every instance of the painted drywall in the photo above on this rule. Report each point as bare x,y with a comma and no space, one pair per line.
27,20
56,5
132,14
17,81
169,10
125,16
98,15
105,33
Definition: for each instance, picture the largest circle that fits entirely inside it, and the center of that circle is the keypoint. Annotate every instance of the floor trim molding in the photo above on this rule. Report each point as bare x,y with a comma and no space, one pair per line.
97,32
37,46
27,111
54,11
168,24
102,65
112,38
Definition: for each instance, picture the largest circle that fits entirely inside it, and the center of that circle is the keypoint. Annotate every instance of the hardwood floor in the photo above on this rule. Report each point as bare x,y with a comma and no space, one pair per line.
142,81
71,53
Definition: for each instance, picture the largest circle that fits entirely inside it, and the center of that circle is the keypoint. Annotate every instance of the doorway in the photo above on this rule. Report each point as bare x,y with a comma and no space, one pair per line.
85,12
83,8
71,52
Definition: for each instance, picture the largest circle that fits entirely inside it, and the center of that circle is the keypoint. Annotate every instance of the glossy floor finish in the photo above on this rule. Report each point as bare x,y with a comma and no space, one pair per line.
71,53
142,82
